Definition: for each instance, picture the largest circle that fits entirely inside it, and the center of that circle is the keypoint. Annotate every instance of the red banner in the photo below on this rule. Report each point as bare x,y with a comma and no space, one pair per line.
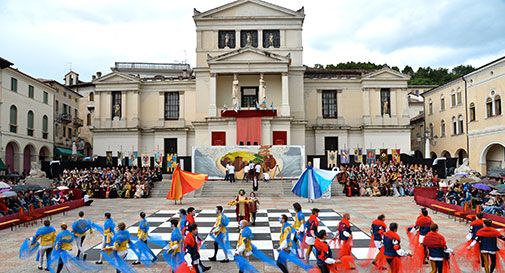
249,130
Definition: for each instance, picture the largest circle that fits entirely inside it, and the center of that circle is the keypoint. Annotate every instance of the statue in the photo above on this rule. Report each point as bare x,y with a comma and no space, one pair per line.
248,39
385,108
235,103
463,168
117,110
227,40
270,40
35,170
262,92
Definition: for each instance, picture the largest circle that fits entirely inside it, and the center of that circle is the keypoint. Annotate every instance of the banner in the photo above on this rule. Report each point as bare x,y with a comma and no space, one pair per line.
108,158
344,156
119,158
370,156
158,160
135,158
332,159
146,160
383,156
358,155
395,155
171,162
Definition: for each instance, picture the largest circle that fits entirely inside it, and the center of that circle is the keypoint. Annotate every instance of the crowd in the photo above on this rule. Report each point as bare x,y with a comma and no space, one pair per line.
26,200
385,179
115,182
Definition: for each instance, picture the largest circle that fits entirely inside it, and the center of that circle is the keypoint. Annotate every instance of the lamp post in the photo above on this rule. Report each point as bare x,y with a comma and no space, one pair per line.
428,139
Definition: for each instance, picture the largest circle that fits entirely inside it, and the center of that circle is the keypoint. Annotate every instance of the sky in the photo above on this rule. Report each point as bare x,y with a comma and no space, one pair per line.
47,38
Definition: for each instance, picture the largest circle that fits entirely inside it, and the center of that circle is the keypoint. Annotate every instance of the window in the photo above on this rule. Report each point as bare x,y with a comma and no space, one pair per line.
248,38
432,129
31,91
88,120
461,127
472,111
29,130
454,126
226,39
45,123
442,128
489,107
453,100
75,113
458,97
171,105
14,84
65,109
116,104
57,106
271,38
218,139
329,103
430,108
64,131
69,132
249,96
497,105
385,101
46,98
13,120
91,96
442,103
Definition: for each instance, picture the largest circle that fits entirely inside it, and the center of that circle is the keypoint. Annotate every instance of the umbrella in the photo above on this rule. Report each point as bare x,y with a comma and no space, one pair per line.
461,174
468,180
500,186
62,188
481,186
28,187
490,182
184,182
7,194
313,183
4,185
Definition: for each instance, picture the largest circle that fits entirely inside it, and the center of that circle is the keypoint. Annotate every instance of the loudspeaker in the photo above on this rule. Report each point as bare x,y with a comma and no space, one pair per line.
440,166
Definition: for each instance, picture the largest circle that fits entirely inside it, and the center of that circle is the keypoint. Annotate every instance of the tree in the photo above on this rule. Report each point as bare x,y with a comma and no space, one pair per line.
462,70
395,68
408,70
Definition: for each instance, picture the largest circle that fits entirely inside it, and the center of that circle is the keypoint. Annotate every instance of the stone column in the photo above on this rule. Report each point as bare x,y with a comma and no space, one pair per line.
212,95
123,105
262,91
366,106
234,93
393,102
285,111
96,122
161,109
181,105
136,110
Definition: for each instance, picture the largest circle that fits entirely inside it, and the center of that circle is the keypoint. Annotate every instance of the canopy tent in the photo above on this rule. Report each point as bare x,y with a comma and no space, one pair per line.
313,183
184,182
62,151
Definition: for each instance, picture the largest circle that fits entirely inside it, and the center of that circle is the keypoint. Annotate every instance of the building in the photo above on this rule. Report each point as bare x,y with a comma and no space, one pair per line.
26,108
465,117
249,74
416,113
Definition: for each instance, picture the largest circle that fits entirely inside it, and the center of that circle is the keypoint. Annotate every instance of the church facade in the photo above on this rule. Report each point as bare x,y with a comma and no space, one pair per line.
249,87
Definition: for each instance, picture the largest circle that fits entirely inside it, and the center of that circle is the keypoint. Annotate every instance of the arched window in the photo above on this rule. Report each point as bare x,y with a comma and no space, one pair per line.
454,126
29,122
497,105
489,107
88,120
431,130
13,120
442,128
461,127
458,97
91,96
430,107
453,99
45,122
472,111
442,103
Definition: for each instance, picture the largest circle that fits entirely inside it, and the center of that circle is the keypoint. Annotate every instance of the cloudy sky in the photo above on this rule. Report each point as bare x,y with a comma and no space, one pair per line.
46,37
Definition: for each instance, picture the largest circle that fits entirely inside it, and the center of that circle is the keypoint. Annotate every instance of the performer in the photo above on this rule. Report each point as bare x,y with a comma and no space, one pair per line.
182,221
253,207
142,232
487,239
119,247
392,248
324,254
108,234
311,226
423,224
219,232
284,242
299,227
241,206
62,243
190,216
475,226
46,236
377,230
437,249
174,255
193,256
345,239
79,229
244,246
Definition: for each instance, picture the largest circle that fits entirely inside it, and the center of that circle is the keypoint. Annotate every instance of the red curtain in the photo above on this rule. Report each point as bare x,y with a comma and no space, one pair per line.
249,130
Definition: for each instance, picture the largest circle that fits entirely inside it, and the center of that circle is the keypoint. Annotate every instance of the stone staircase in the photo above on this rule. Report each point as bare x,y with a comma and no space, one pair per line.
161,188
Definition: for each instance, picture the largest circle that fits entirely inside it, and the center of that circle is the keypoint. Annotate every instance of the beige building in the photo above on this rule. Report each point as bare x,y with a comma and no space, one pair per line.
466,116
26,116
249,74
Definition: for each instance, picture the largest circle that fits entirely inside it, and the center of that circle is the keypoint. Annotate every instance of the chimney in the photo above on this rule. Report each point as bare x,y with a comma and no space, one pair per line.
93,77
98,74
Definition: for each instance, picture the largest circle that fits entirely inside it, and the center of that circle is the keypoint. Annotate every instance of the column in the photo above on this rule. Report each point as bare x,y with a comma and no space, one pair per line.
393,103
212,95
123,105
181,105
161,109
285,111
136,110
366,106
260,38
96,122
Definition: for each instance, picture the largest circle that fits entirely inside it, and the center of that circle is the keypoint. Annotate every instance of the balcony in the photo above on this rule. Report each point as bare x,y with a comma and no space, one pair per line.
78,122
64,118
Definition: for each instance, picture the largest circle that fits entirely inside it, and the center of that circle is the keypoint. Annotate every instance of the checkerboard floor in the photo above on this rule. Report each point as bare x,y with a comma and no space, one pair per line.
266,232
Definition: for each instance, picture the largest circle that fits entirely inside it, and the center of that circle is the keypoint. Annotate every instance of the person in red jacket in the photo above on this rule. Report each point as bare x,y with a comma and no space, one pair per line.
392,248
324,255
377,230
311,233
487,237
437,249
423,224
345,240
193,254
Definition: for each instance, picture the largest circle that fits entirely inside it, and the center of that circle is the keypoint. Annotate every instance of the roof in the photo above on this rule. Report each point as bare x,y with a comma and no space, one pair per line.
417,118
141,66
320,73
32,78
4,63
50,82
200,15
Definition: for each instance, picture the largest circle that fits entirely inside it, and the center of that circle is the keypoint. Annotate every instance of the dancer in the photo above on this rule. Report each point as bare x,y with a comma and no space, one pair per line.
312,183
437,249
345,241
193,256
108,234
392,248
183,221
487,239
241,206
46,236
311,226
220,235
116,253
475,226
62,243
284,242
79,229
244,246
324,255
184,182
423,224
299,227
190,216
174,255
253,207
378,228
142,233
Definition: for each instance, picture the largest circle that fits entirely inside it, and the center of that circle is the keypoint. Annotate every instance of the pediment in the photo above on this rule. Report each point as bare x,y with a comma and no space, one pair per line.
248,8
249,55
386,74
117,77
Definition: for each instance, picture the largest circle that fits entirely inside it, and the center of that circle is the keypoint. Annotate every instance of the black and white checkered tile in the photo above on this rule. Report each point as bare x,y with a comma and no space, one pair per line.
266,231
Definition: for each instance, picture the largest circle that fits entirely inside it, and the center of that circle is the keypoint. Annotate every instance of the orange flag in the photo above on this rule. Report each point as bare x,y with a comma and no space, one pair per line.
184,182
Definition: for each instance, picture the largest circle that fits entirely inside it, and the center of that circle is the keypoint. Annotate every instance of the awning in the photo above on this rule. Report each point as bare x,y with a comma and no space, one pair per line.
65,151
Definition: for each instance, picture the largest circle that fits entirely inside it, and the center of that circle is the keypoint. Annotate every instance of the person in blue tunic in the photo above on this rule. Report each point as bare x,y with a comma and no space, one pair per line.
142,232
46,236
219,233
285,242
79,228
108,234
62,243
174,255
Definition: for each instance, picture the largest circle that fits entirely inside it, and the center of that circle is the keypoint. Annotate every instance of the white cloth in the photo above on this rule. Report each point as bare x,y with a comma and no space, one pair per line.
231,170
258,168
310,240
329,261
421,239
378,244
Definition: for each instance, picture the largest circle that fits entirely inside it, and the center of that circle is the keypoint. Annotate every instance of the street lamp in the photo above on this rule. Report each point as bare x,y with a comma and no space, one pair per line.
428,139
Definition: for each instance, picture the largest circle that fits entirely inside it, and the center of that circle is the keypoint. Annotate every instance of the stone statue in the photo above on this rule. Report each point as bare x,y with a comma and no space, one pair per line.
463,168
271,40
248,39
262,92
385,107
117,110
235,87
35,170
227,40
